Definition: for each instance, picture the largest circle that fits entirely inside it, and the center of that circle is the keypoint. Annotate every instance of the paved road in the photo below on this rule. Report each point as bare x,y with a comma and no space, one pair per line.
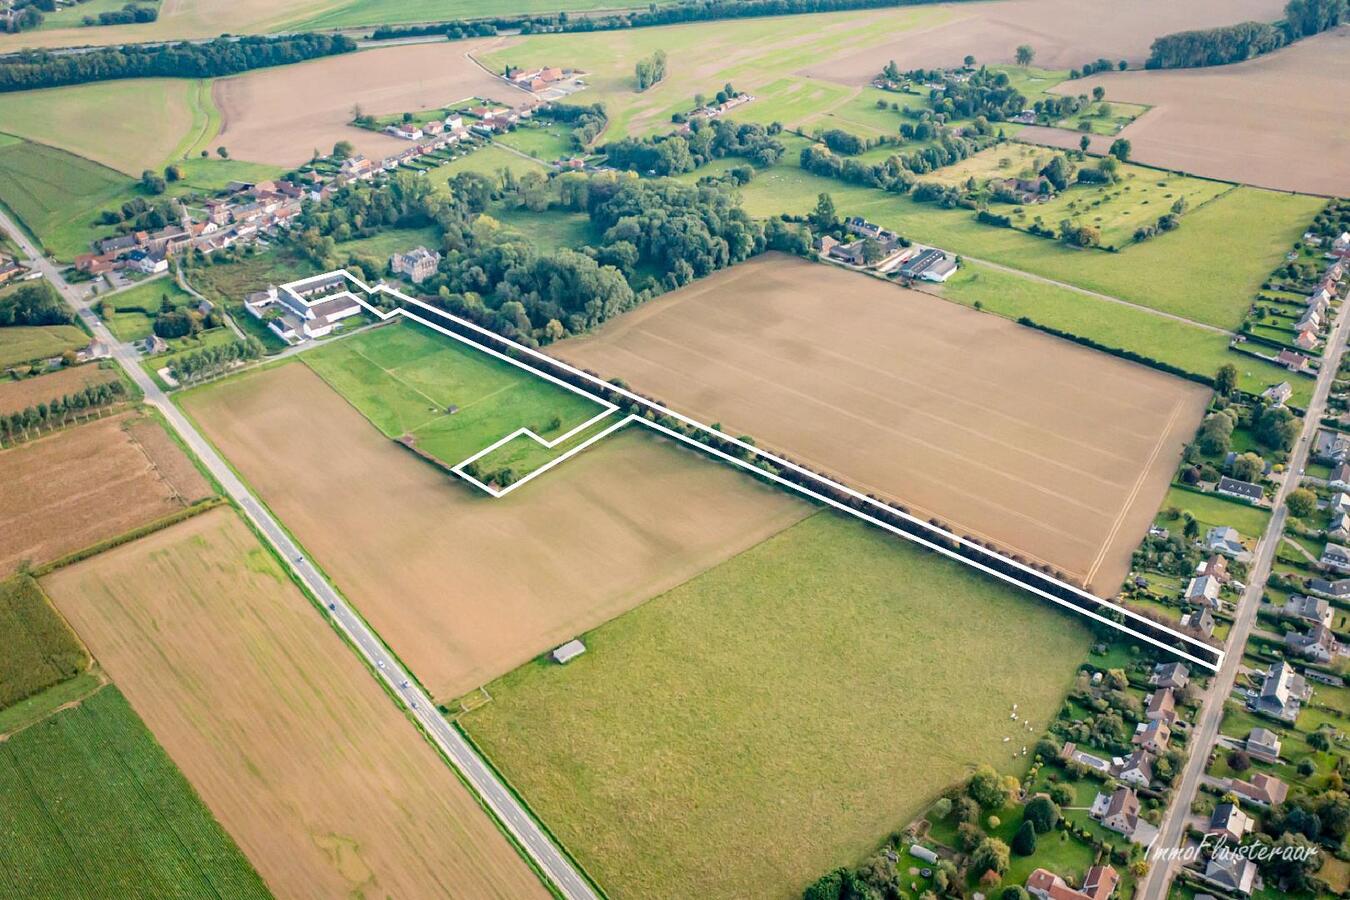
1206,732
490,789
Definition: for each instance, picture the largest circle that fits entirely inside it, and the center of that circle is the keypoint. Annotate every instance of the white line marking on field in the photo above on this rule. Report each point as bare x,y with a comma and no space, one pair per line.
610,408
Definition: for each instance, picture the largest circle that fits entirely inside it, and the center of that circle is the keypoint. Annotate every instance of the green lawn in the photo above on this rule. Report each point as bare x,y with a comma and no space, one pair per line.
797,703
133,309
1211,510
546,142
23,343
487,160
1187,347
1208,270
41,650
94,807
549,231
403,378
396,240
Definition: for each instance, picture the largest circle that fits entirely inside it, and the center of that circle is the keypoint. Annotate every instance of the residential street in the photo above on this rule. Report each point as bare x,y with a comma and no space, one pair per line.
493,793
1154,885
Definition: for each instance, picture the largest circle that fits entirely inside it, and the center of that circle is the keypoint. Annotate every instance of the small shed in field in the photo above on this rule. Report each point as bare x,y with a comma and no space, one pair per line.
568,651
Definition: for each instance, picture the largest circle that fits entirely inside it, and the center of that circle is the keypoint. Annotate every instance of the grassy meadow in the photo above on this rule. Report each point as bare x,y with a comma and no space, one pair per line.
94,807
1208,270
795,703
404,378
128,125
133,309
41,650
57,194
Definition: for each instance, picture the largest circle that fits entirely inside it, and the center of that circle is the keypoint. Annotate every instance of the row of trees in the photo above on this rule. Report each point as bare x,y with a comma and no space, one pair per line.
210,361
222,56
59,411
1234,43
707,140
129,14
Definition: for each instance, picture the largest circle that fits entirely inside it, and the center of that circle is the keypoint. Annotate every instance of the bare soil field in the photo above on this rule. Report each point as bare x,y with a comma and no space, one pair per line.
281,115
465,587
1059,453
1064,33
290,742
1276,122
82,485
15,396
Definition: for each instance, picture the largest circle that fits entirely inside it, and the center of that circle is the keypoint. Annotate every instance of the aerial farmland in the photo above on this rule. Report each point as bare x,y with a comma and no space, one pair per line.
849,450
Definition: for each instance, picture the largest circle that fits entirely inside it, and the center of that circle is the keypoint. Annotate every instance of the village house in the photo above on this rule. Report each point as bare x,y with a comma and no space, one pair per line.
1215,566
1118,811
1317,644
1278,394
1263,744
1135,770
1306,340
1338,589
1331,447
1229,821
1336,558
1338,528
1294,362
1172,675
1241,490
1098,884
1152,736
1231,872
1023,190
418,264
1309,609
1262,789
1340,478
1200,621
1283,693
1226,540
1161,706
1203,591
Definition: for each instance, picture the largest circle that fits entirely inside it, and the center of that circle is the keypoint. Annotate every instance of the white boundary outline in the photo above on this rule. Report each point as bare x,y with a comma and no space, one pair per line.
610,408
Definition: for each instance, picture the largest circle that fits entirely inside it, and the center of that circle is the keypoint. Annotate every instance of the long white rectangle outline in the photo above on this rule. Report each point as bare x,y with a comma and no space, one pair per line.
755,451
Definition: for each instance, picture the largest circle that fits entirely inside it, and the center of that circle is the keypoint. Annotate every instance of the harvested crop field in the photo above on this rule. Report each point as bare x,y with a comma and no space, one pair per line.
1277,121
290,742
88,483
774,717
17,395
462,586
1059,453
281,115
1064,33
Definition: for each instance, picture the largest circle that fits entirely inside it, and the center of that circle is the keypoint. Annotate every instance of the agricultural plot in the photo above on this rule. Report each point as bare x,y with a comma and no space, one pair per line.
1178,272
450,400
462,586
94,807
26,343
128,125
1064,33
15,396
281,115
325,786
91,482
1189,348
41,650
1275,121
56,194
1057,452
773,717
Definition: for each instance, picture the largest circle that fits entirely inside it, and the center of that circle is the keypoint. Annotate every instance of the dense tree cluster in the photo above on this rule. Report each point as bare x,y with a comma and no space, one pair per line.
222,56
707,140
650,70
984,93
1234,43
897,172
129,14
34,304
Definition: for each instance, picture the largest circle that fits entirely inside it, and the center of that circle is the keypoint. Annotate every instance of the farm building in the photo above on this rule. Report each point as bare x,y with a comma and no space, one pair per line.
568,652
